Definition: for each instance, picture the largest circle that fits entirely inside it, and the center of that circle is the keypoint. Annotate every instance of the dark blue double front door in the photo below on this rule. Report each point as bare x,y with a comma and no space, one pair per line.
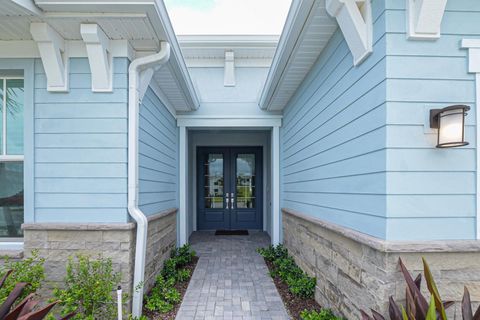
229,188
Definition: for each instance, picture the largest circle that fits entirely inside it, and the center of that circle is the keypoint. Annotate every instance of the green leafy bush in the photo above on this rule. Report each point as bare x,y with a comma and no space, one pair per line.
163,297
272,253
89,288
183,255
302,286
169,268
30,270
324,314
183,275
284,267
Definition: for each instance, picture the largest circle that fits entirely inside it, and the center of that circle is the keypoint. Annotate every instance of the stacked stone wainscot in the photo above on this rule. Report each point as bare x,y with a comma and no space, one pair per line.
355,271
57,242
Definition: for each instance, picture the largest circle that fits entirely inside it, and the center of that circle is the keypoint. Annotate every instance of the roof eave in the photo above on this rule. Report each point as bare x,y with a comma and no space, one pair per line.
294,25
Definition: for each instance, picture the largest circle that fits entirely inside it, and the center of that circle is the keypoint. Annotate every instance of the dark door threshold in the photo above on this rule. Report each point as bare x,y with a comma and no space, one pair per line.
231,233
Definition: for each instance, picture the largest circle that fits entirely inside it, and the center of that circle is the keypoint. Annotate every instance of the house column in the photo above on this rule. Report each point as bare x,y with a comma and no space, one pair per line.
182,223
473,46
275,185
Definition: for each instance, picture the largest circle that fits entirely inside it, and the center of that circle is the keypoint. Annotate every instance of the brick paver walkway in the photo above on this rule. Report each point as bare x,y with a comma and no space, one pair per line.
231,280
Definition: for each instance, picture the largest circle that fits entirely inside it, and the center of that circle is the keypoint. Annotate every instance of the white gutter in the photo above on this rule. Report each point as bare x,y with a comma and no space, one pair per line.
135,79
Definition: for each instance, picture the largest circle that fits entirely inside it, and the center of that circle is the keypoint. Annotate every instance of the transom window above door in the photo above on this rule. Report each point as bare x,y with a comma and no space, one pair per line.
11,156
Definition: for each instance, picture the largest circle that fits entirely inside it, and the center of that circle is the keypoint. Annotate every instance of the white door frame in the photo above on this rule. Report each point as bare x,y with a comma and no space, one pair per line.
260,122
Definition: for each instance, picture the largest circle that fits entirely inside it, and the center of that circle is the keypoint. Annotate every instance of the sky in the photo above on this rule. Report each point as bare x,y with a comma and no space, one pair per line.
231,17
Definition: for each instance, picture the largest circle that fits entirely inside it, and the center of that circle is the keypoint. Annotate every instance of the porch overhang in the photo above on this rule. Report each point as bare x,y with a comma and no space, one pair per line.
134,29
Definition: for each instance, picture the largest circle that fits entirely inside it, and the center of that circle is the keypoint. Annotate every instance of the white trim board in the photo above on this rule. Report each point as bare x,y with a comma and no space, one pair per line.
473,46
229,122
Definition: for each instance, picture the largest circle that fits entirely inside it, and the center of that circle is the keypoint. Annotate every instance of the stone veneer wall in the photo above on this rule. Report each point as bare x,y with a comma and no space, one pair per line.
162,238
355,271
57,242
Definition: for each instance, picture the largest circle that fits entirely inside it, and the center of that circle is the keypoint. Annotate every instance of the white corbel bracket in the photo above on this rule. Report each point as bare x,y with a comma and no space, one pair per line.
99,57
355,20
144,79
424,18
229,74
54,55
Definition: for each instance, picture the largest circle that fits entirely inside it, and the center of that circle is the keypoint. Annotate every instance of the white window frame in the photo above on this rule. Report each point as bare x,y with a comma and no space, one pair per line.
9,243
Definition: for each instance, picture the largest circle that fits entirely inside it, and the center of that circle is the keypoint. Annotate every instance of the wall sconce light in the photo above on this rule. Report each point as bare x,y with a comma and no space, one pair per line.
450,122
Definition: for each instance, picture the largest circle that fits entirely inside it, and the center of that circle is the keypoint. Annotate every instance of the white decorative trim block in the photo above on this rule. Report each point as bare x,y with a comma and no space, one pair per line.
229,75
355,20
424,18
53,52
99,57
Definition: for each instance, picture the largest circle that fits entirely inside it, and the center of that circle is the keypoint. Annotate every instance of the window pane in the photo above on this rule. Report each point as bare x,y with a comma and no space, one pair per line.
11,199
15,116
246,181
213,182
1,116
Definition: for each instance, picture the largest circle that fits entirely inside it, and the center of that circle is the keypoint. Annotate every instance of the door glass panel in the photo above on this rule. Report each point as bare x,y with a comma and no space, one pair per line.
14,116
11,199
245,180
213,182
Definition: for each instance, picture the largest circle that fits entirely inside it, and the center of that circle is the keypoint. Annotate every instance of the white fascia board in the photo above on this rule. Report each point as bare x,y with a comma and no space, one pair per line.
424,18
355,20
29,6
99,57
54,54
297,16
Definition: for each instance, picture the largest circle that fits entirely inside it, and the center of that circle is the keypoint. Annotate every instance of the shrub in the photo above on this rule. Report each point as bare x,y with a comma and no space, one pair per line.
183,255
89,288
324,314
302,286
272,253
183,275
163,295
169,268
30,270
284,267
419,307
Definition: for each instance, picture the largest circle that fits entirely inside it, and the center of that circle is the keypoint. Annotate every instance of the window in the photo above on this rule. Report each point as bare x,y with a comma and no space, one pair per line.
11,156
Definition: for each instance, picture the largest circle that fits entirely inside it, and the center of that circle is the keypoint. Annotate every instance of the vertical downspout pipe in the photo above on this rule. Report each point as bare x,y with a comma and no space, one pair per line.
135,71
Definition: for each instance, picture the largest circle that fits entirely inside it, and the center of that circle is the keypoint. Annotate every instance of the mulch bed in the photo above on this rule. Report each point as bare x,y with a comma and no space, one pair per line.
182,288
295,305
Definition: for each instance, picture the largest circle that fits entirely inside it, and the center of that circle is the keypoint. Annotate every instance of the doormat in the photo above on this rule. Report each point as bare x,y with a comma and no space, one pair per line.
231,233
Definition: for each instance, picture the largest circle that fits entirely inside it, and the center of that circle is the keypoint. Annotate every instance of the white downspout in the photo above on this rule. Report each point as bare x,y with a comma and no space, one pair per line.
139,67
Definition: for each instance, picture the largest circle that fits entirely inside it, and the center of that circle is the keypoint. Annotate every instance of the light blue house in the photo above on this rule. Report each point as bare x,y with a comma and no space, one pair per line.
118,137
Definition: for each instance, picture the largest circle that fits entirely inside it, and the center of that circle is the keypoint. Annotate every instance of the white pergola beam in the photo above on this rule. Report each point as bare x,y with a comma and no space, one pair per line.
355,20
99,56
53,53
424,18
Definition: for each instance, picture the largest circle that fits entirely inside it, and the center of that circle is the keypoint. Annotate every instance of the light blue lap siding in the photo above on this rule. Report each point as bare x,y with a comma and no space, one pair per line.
81,148
158,156
333,152
430,192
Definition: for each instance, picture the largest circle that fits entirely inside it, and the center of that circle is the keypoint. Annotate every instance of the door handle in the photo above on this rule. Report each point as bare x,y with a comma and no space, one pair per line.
227,201
232,201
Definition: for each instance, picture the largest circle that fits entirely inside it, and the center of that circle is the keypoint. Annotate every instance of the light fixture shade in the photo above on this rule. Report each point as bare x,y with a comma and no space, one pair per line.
450,122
